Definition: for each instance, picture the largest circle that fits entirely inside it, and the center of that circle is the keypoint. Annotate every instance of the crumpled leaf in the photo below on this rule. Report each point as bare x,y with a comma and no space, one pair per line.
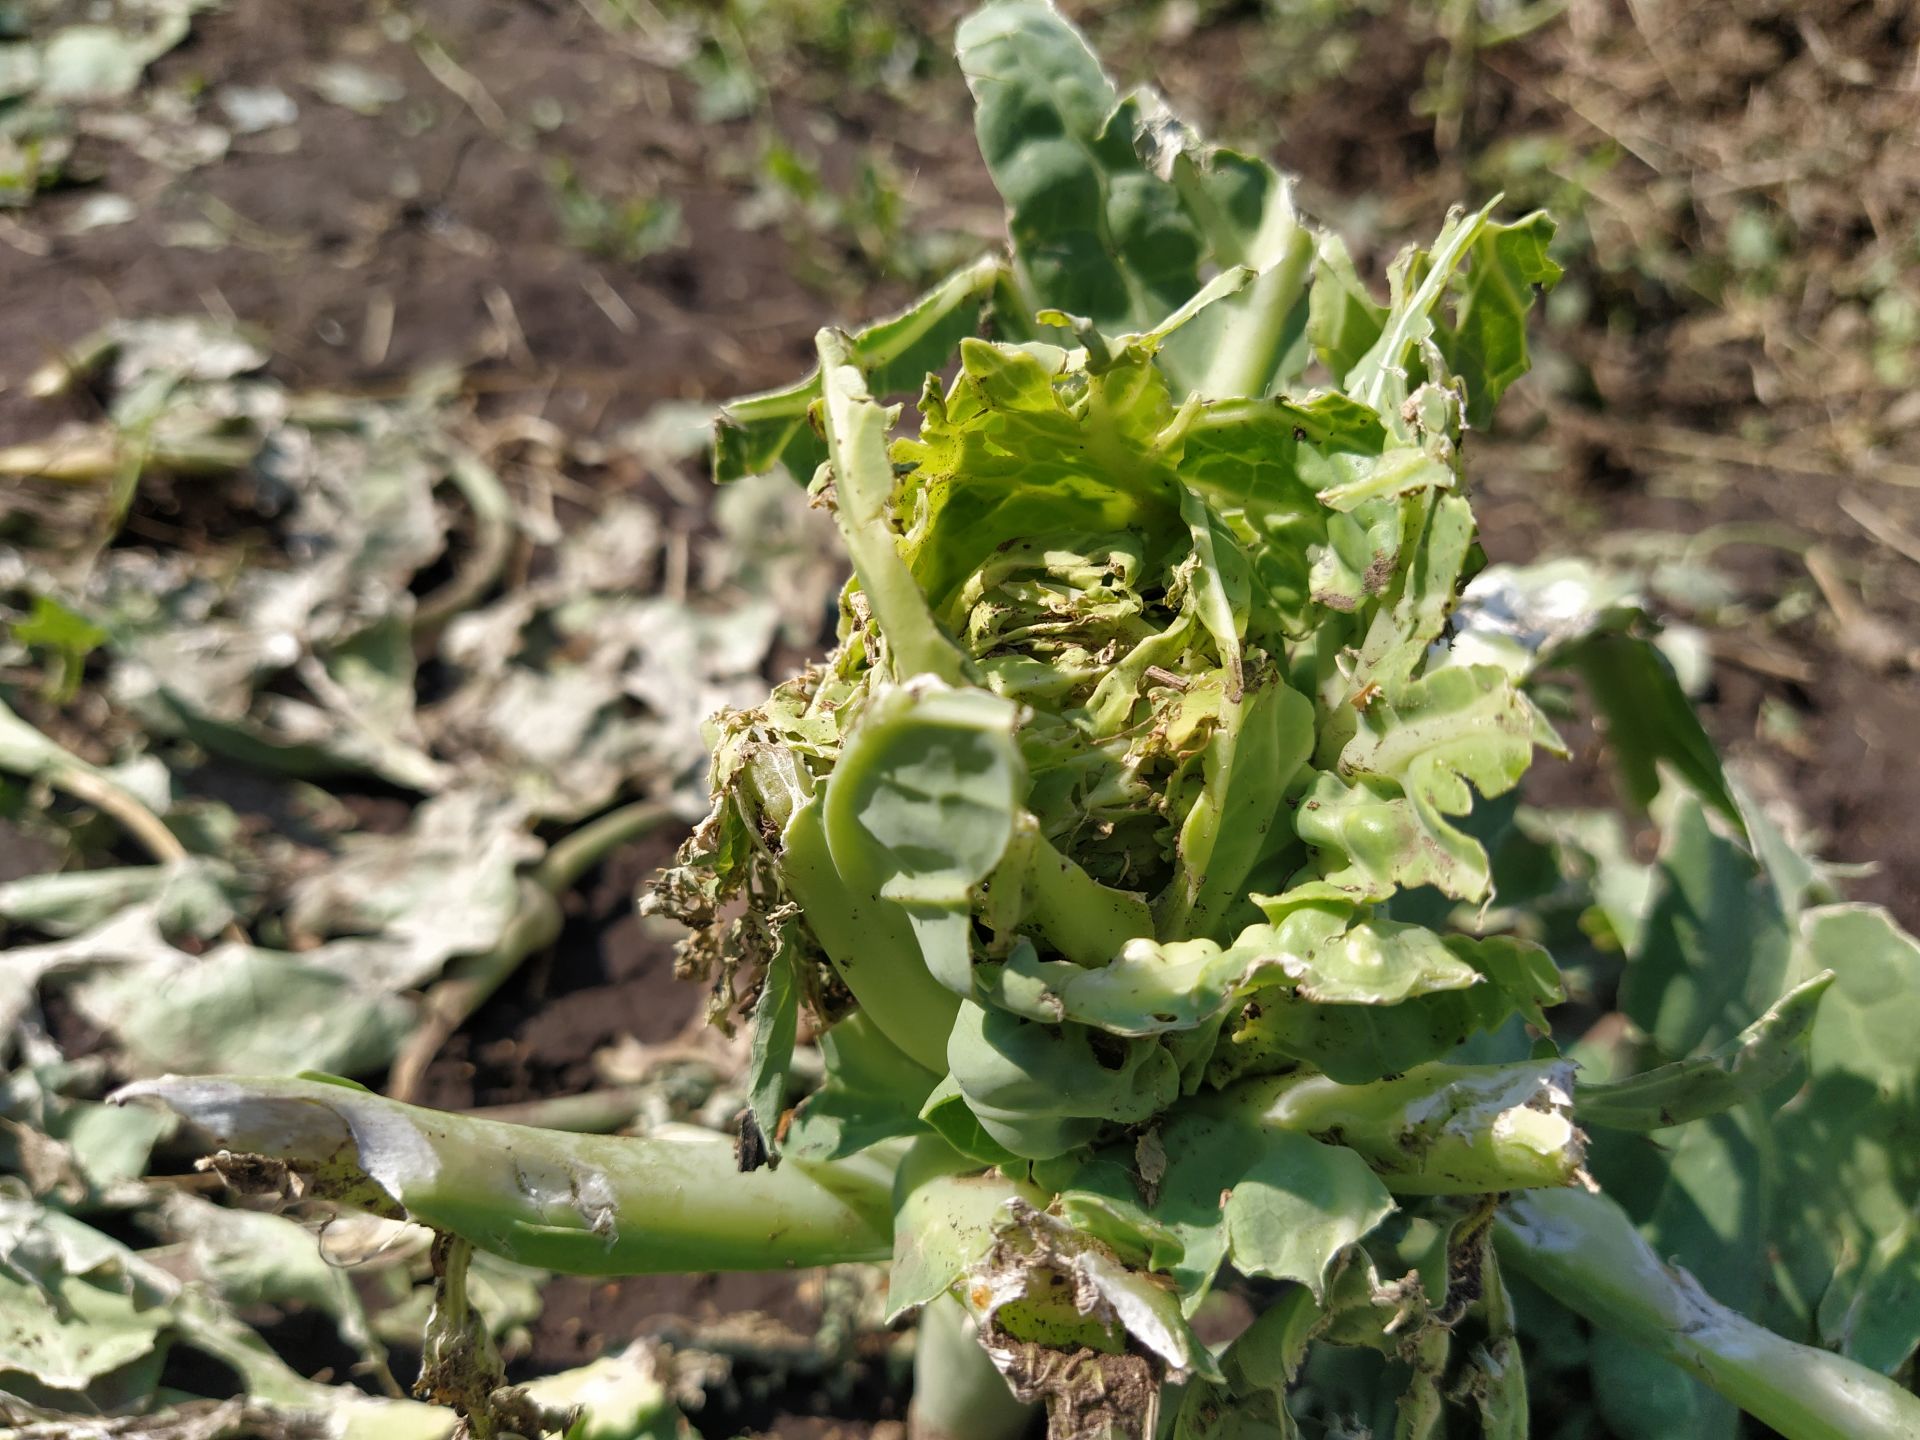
249,1257
1275,1203
237,1008
1763,1055
190,896
757,432
1383,820
448,885
69,1150
74,1316
1056,1309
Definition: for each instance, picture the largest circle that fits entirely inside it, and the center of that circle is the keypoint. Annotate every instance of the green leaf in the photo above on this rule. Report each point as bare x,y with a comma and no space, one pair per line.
872,1093
1258,1367
1714,952
1345,321
1263,467
1094,232
1414,1018
1768,1052
776,1022
870,942
69,637
922,808
947,1112
1298,1207
1648,720
1490,268
754,434
1850,1170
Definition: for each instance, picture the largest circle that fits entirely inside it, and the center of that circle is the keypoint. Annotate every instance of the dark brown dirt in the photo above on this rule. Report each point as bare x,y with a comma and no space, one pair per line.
605,978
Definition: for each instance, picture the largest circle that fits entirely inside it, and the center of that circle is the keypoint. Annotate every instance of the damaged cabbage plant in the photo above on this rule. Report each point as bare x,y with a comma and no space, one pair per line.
1147,857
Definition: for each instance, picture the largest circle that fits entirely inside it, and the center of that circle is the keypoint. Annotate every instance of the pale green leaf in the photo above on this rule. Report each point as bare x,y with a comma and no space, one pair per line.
755,433
1095,233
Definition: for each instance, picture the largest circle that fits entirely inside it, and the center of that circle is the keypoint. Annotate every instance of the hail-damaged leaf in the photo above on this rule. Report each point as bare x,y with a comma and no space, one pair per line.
1761,1057
1440,1129
1490,269
1067,1321
1522,617
921,809
446,886
1042,1089
1244,211
945,1216
1383,819
758,432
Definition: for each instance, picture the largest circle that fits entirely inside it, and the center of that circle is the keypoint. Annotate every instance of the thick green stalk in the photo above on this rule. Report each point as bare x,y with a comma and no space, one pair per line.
1438,1129
871,945
856,431
584,1204
1583,1250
